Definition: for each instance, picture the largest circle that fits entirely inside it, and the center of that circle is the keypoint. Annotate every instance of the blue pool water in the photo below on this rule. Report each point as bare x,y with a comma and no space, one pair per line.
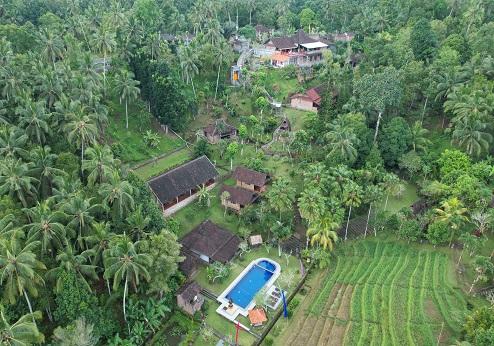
246,289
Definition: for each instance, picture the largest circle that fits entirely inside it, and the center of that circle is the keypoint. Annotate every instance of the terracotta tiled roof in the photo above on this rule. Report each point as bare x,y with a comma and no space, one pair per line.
250,176
182,179
211,240
257,316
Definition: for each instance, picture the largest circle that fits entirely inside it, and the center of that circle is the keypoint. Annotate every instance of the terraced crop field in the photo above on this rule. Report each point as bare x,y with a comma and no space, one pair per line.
380,294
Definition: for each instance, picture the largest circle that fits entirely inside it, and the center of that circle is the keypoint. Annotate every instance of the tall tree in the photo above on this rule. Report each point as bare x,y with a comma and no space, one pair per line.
22,332
117,195
223,55
16,180
19,271
453,214
323,231
127,89
124,262
423,40
100,164
352,198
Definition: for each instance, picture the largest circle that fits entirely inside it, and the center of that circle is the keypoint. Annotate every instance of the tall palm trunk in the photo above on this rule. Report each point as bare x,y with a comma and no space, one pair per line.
217,80
29,305
124,298
348,221
377,126
126,114
368,218
82,155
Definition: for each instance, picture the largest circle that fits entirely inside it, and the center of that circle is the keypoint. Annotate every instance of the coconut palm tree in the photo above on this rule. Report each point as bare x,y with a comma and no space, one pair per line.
16,180
372,194
126,87
188,58
7,228
473,105
393,186
53,46
104,41
484,268
81,130
453,214
352,198
224,55
470,133
323,232
21,333
80,214
100,164
76,263
44,168
311,204
117,195
12,142
138,223
124,262
342,144
46,227
19,271
34,120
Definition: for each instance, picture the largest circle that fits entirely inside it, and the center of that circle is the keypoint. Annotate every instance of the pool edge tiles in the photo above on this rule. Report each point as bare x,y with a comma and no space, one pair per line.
224,301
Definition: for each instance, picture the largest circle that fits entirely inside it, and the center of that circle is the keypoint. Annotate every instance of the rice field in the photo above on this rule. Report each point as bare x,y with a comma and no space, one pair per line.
380,293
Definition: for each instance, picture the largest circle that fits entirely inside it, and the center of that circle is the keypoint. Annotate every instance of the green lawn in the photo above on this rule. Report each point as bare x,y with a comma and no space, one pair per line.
278,86
221,324
131,143
193,214
381,292
297,117
164,164
408,197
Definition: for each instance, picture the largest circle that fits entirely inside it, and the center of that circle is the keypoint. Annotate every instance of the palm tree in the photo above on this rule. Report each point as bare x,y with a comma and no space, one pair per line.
470,134
22,333
342,143
311,204
452,213
117,195
482,220
475,104
80,213
281,195
44,168
124,262
81,130
323,232
188,57
34,120
46,227
223,56
352,195
12,142
53,46
71,262
7,228
126,87
104,42
80,334
372,194
19,271
392,185
100,163
484,268
225,197
15,179
138,223
419,137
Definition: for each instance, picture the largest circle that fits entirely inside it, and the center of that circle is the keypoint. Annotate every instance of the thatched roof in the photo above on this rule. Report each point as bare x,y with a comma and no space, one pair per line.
182,179
289,42
250,176
210,240
189,291
239,195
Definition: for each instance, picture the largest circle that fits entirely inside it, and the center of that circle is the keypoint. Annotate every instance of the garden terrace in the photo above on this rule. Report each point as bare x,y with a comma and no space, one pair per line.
211,243
178,187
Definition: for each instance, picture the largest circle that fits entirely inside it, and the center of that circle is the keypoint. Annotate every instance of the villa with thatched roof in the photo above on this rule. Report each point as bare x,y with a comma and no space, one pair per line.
178,187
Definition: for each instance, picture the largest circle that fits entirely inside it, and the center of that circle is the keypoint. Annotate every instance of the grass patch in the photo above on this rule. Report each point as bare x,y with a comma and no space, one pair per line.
297,117
278,86
131,143
408,197
164,164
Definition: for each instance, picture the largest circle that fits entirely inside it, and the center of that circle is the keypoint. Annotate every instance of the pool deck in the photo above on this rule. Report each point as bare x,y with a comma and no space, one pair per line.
231,311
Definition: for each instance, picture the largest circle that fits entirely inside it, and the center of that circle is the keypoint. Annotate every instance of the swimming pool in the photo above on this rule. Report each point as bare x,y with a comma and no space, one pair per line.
260,273
252,282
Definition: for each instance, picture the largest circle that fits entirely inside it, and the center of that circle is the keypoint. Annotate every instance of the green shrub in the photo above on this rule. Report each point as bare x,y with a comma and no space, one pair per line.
268,342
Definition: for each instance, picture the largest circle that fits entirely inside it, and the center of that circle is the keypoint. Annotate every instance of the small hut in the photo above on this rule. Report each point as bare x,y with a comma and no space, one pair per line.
257,317
219,130
238,198
189,298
